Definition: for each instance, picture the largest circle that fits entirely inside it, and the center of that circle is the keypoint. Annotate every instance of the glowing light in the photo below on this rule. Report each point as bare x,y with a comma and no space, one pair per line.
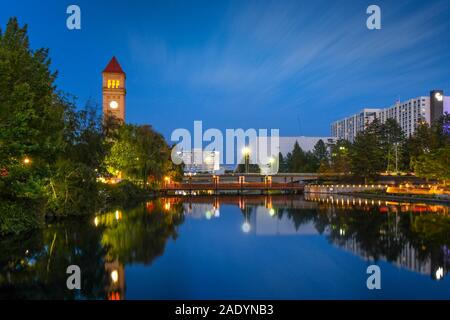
167,206
245,151
96,221
439,273
113,105
246,227
438,96
272,212
118,215
27,160
115,276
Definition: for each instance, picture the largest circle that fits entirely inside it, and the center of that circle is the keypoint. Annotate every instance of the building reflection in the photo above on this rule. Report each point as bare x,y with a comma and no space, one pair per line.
411,236
398,233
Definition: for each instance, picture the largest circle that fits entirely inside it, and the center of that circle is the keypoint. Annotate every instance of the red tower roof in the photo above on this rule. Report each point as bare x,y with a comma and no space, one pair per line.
113,66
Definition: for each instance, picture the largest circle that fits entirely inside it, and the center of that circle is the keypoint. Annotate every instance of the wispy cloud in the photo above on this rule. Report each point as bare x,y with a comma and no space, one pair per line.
290,55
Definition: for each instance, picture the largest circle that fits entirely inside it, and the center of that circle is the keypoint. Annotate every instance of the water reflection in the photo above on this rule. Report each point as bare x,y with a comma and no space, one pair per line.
413,237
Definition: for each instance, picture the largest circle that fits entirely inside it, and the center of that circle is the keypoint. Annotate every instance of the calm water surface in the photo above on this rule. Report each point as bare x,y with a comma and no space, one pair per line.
230,247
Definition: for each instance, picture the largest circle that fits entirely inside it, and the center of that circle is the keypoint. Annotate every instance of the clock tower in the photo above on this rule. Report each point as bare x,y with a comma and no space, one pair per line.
114,90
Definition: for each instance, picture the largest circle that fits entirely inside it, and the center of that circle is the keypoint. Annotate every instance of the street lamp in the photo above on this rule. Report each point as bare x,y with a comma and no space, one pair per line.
167,180
26,160
246,152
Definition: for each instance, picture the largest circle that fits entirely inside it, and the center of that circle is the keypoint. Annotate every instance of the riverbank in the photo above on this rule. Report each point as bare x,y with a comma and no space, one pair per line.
18,217
378,191
395,197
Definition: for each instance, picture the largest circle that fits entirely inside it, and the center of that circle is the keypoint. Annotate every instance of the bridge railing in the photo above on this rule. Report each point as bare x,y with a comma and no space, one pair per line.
234,186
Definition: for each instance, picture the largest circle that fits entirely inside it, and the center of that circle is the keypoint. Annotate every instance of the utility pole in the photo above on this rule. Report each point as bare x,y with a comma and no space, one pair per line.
396,157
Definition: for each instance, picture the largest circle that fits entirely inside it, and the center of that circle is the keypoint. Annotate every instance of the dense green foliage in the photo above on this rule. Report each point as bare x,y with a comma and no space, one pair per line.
381,147
52,153
140,154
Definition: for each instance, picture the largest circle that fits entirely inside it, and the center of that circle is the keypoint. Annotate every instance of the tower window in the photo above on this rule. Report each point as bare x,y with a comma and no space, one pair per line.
113,84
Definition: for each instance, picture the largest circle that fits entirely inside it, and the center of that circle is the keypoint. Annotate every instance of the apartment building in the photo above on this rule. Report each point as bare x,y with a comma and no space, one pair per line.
409,114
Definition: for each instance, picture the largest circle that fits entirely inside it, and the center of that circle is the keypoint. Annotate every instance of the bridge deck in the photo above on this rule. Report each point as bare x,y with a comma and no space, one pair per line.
254,186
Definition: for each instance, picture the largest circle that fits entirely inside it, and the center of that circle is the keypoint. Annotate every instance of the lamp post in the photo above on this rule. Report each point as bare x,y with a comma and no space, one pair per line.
246,153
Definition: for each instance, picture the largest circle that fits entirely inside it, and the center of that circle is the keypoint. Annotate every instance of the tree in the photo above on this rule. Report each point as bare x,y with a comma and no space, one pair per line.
72,183
340,157
30,112
434,165
283,165
321,151
392,141
297,159
367,155
31,130
139,153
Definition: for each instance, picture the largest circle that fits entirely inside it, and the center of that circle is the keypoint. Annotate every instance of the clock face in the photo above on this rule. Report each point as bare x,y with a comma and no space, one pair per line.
438,96
113,104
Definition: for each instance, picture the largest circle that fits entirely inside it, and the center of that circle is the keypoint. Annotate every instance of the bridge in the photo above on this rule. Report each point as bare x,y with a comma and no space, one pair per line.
285,182
277,200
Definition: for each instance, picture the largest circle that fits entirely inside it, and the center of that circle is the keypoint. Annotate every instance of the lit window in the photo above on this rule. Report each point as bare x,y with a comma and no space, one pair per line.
109,84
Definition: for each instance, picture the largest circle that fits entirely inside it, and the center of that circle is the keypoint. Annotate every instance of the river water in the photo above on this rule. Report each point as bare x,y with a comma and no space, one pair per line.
231,247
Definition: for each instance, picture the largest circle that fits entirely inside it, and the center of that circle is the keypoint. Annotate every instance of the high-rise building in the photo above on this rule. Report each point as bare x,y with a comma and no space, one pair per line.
348,128
114,91
409,114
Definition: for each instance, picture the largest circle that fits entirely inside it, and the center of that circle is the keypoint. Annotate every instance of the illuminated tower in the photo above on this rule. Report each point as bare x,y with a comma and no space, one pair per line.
114,90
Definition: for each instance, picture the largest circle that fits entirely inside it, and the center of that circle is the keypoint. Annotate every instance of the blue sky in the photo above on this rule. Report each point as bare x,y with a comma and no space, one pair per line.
292,65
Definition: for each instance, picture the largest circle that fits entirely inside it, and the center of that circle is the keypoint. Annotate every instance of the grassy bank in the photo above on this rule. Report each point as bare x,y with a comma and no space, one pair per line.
22,215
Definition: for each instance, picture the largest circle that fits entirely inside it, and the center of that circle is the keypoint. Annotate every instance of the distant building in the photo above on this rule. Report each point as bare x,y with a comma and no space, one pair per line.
348,128
409,114
200,161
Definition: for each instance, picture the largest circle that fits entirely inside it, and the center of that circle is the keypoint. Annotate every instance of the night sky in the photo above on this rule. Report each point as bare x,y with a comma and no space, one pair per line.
292,65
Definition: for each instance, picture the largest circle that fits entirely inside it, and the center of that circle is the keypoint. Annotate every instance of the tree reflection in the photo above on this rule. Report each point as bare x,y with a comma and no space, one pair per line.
142,233
397,235
34,266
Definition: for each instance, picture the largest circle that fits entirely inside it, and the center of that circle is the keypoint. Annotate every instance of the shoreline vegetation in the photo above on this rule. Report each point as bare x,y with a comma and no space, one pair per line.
54,153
